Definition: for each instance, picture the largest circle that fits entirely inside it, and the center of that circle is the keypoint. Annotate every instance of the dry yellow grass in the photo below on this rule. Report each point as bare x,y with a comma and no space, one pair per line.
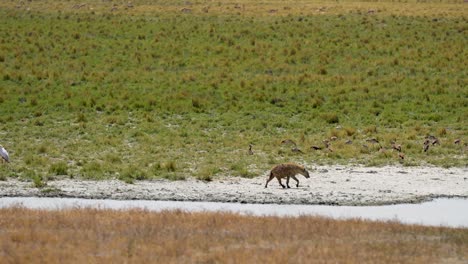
135,236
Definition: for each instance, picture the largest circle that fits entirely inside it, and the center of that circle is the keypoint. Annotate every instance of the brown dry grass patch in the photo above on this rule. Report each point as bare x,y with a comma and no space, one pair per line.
135,236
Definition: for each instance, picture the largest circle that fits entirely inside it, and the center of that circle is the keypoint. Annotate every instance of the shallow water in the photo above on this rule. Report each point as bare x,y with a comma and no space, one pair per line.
452,212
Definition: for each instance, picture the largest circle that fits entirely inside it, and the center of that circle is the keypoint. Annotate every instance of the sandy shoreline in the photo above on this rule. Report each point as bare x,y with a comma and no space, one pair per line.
331,185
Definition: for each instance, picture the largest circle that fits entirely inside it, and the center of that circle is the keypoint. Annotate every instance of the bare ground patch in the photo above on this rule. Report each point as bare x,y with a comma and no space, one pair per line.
332,185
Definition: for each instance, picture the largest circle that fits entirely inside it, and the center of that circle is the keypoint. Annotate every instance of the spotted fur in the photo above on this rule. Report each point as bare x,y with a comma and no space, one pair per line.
287,170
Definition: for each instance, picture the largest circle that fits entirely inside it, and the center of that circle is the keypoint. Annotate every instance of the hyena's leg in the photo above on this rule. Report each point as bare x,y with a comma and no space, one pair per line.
287,181
279,180
269,179
294,177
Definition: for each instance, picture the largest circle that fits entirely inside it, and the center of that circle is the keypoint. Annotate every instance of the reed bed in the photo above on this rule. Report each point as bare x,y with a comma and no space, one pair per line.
136,236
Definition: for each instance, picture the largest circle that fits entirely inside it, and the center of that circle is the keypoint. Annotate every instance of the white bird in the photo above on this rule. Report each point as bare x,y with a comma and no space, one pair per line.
4,154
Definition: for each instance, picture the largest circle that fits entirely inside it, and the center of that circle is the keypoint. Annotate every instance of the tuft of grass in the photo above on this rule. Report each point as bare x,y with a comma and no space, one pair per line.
132,173
59,168
442,132
207,172
330,118
92,170
245,173
38,181
169,166
81,118
240,169
350,131
202,176
174,177
372,129
42,149
127,179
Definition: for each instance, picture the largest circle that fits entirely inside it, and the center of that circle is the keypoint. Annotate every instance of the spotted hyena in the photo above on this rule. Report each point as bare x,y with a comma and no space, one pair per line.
287,170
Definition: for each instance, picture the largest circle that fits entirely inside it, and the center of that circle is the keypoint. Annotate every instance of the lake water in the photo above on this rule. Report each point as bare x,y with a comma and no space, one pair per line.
452,212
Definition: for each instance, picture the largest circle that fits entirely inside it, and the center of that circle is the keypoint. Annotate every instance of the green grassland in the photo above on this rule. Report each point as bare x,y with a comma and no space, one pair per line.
149,89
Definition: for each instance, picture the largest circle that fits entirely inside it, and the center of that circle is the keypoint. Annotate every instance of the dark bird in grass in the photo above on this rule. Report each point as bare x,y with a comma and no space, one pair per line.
250,149
426,147
294,145
427,142
457,141
396,147
372,140
327,145
349,142
401,155
296,150
288,142
316,148
432,139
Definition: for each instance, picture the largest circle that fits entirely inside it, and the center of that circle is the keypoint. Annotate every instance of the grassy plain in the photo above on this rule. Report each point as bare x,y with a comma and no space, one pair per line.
99,89
106,236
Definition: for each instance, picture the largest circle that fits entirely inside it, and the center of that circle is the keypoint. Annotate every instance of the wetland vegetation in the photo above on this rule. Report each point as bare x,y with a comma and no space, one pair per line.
93,235
103,89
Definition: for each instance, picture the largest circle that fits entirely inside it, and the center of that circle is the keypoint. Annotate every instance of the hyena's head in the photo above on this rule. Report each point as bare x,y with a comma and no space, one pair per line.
305,172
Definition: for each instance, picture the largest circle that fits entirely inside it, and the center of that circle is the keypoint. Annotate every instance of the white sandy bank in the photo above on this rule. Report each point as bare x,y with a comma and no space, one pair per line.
332,185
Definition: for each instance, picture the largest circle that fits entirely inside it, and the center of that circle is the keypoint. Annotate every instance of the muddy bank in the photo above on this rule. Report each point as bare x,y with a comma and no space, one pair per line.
331,185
